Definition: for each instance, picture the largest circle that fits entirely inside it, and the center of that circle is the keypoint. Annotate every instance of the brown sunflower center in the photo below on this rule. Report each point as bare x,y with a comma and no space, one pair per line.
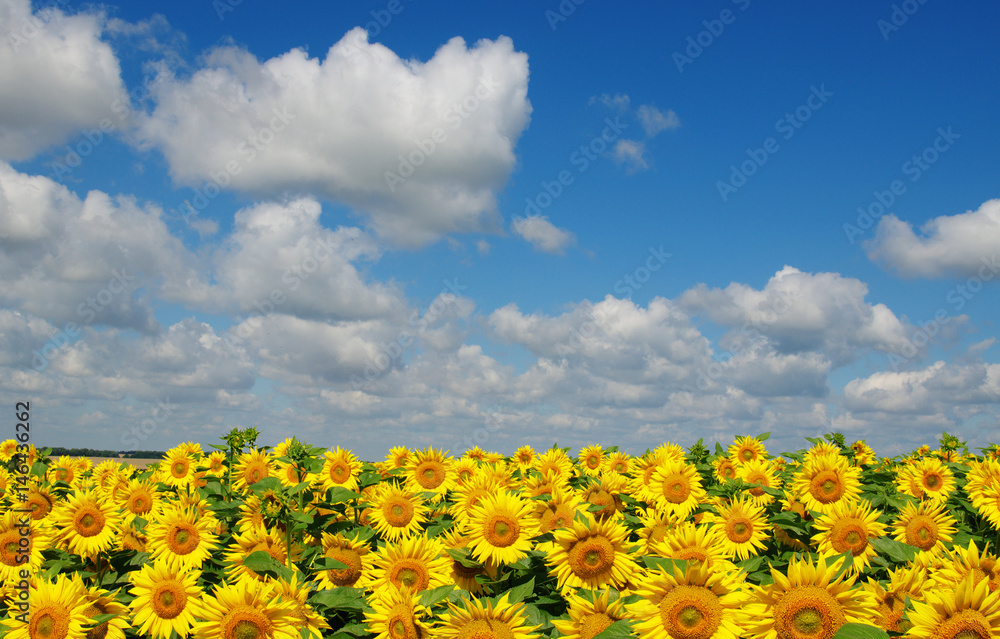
851,534
676,488
747,455
430,474
339,472
183,538
593,462
690,612
967,624
757,478
592,558
50,622
933,481
39,506
8,548
91,611
140,503
739,529
408,572
922,532
398,512
827,486
501,530
594,624
254,472
727,470
179,469
808,612
169,599
400,623
89,521
246,622
486,629
350,558
694,556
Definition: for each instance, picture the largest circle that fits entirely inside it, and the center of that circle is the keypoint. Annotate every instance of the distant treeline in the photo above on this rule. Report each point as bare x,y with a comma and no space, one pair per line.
93,452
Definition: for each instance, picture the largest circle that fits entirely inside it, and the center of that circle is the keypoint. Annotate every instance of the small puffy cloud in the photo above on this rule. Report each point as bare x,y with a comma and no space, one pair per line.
630,153
654,121
967,244
58,77
420,149
543,235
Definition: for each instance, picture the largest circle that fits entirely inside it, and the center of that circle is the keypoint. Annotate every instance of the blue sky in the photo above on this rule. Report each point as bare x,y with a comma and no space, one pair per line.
693,265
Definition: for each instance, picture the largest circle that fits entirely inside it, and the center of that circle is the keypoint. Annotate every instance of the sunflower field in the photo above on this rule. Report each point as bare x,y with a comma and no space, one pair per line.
247,542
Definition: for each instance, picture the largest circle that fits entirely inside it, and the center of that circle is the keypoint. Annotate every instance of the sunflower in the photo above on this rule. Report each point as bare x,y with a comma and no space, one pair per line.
964,561
696,603
468,496
695,544
863,454
138,499
415,562
966,611
247,610
40,502
617,462
63,469
589,616
592,554
251,468
250,541
524,457
181,537
340,468
591,459
473,619
395,615
178,467
655,525
557,512
849,527
925,525
166,599
808,602
8,448
108,474
742,526
500,528
826,480
215,463
85,524
676,488
398,457
724,469
297,591
464,573
555,465
465,470
56,611
822,449
762,474
936,479
349,551
606,492
906,582
430,471
129,538
396,513
12,549
746,449
103,602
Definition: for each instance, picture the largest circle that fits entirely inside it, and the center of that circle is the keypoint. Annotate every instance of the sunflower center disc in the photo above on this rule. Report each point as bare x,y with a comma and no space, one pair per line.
246,629
591,557
169,600
593,625
747,454
485,629
676,489
50,625
921,532
740,531
932,482
503,533
808,612
185,539
691,612
90,523
826,487
345,576
967,624
179,469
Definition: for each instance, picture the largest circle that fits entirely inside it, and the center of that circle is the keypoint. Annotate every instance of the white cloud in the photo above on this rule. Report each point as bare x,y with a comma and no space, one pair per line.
967,244
419,148
58,77
654,121
630,153
543,235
